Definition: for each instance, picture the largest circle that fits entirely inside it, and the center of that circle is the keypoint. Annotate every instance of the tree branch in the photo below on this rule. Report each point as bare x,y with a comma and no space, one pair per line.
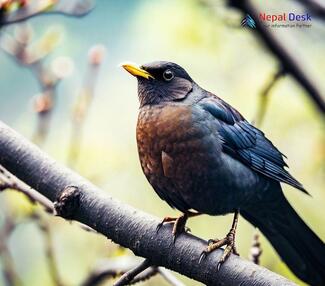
255,250
49,251
171,279
317,7
73,8
290,63
10,274
85,97
9,181
114,267
264,97
110,268
128,276
78,199
31,56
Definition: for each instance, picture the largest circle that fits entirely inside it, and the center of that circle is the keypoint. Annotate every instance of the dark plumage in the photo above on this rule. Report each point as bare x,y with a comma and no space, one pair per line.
199,153
247,143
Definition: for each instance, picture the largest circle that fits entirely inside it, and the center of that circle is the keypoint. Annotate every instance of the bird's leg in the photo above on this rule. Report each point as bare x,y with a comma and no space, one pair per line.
229,241
179,223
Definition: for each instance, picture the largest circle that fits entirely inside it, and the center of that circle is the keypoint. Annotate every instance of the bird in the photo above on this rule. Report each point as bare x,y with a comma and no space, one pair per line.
201,156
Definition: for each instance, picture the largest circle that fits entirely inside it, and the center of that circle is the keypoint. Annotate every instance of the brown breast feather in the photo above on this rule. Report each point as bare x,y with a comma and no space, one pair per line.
167,164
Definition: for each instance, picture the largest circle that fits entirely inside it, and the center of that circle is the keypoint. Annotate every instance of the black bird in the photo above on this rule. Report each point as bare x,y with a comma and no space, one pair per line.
202,157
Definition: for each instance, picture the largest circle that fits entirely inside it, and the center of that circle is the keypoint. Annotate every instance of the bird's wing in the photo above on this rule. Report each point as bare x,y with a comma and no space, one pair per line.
248,144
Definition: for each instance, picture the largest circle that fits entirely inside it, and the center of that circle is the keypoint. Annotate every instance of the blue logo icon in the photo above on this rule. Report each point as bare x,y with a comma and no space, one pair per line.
248,21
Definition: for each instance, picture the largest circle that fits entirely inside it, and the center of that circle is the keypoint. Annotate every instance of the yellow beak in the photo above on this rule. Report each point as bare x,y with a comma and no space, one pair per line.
136,71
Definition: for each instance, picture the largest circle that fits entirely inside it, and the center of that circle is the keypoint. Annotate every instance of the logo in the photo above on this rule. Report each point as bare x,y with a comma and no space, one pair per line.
281,20
248,21
285,20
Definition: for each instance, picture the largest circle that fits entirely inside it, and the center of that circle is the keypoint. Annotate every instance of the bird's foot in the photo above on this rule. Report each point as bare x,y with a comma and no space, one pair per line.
228,241
179,224
213,244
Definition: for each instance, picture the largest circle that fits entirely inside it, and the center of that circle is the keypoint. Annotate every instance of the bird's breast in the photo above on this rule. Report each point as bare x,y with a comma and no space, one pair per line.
174,139
178,150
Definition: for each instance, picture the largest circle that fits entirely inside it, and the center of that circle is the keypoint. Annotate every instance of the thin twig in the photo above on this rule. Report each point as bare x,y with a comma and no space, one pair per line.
98,277
264,97
145,275
19,48
169,277
83,103
255,250
127,277
49,251
9,272
11,182
114,267
110,268
76,8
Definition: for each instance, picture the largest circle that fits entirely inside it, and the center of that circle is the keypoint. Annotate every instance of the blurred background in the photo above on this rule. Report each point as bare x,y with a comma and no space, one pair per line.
62,87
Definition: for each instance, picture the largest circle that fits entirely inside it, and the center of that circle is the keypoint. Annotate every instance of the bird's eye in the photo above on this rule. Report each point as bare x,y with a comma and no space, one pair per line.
168,75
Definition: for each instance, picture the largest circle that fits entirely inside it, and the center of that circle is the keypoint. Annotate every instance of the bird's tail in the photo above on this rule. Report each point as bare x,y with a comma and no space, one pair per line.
298,246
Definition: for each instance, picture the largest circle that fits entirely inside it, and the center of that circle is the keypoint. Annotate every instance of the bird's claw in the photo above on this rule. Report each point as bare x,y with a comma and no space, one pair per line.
178,227
226,253
213,244
228,241
203,256
174,238
166,219
159,226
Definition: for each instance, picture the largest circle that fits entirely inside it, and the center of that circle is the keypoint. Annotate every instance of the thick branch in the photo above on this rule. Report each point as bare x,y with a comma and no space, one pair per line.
289,62
78,199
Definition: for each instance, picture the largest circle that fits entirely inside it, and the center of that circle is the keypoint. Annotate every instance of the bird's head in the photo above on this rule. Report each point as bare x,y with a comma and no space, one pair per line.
160,82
